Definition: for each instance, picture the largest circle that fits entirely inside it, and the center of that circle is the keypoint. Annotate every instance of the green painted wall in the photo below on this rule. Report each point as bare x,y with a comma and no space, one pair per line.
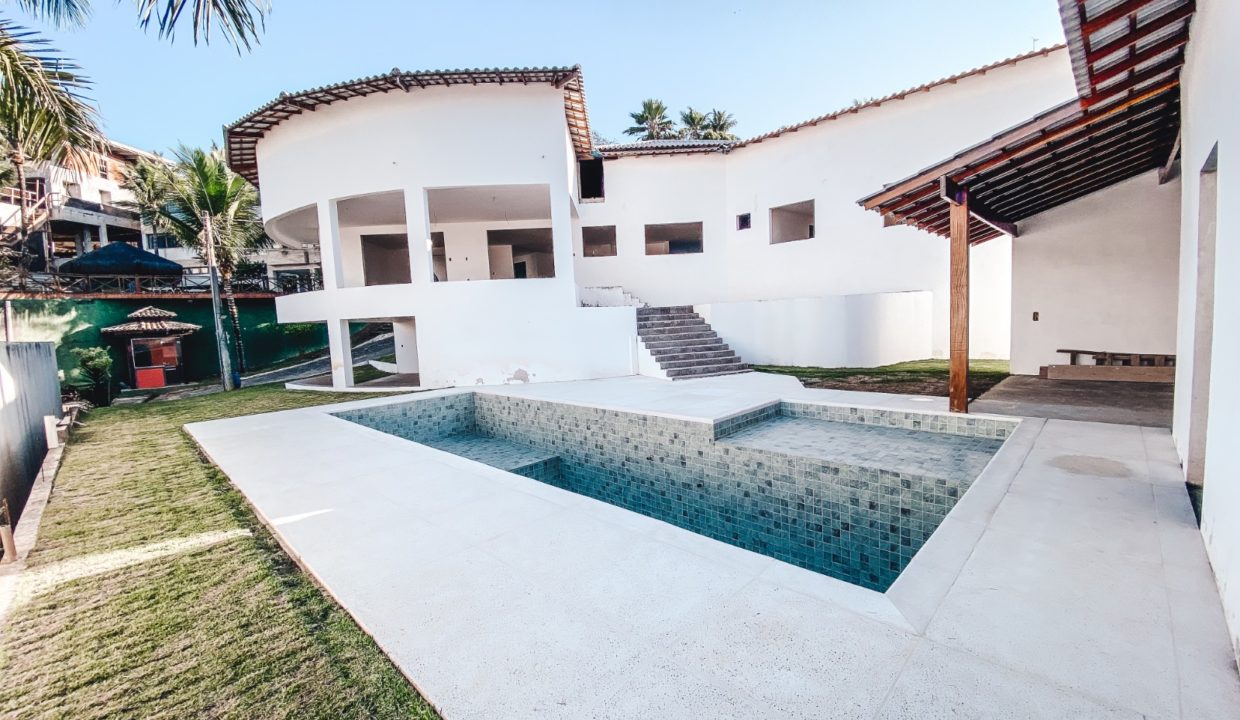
75,323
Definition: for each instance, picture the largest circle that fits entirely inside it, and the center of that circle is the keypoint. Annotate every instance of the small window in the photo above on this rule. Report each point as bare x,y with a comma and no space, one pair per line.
161,241
590,178
73,190
674,238
744,221
792,222
103,168
105,197
599,241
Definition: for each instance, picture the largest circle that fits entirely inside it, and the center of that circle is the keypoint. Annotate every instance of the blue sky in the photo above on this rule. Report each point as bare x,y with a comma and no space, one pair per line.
769,63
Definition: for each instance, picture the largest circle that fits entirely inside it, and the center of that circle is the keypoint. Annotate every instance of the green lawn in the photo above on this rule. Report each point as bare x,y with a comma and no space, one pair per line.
230,630
923,377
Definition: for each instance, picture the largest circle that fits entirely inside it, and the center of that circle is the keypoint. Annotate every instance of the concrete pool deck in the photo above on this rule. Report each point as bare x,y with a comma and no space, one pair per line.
1083,591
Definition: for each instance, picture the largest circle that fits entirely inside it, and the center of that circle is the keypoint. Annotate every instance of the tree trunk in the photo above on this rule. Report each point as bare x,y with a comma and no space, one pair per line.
19,166
226,281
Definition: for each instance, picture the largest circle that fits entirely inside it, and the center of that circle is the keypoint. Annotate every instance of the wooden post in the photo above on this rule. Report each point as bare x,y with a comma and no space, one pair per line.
958,378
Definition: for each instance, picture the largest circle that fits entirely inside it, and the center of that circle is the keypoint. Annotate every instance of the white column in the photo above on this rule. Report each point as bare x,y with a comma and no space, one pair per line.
405,335
340,346
417,225
562,241
103,235
329,245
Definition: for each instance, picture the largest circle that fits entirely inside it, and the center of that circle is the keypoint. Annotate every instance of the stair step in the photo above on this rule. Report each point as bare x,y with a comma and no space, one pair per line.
707,370
689,338
661,324
665,310
696,346
731,359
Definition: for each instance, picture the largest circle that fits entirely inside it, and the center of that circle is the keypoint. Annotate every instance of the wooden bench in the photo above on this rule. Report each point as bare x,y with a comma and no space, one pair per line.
1113,366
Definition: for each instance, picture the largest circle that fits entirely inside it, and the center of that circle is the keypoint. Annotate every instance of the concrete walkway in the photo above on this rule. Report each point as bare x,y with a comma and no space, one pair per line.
1084,592
1122,403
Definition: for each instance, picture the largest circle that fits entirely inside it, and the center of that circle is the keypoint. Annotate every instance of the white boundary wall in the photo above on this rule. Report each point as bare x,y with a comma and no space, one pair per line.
1101,274
29,392
1211,108
836,331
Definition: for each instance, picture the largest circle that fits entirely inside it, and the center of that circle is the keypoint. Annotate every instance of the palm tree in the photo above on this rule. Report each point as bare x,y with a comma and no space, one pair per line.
148,181
43,117
209,208
692,124
719,126
651,122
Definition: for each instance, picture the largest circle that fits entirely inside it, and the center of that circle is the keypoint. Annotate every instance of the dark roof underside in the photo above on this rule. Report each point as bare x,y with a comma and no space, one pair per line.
119,258
241,138
1126,57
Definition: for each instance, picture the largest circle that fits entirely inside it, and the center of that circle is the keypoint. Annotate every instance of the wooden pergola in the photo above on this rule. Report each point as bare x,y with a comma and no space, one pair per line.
241,138
1126,57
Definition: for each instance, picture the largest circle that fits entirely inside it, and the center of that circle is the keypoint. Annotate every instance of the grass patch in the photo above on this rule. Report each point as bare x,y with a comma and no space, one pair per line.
917,377
230,630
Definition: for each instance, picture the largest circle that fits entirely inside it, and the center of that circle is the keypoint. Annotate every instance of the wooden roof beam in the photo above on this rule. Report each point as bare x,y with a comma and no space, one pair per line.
1119,12
1097,77
955,193
1142,32
1146,75
1027,139
1167,172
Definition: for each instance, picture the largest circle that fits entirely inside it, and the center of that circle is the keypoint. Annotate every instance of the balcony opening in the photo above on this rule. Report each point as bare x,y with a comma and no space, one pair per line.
523,253
491,232
385,259
674,238
374,240
598,241
793,222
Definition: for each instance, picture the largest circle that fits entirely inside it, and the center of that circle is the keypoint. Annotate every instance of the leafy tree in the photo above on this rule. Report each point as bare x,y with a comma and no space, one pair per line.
652,122
719,126
96,366
209,207
692,124
148,181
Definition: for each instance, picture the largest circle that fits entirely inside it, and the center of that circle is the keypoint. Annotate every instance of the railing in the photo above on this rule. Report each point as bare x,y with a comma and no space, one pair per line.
13,196
59,201
147,284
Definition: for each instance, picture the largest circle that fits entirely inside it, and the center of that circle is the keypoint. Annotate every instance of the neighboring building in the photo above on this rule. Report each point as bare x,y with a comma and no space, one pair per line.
480,241
74,212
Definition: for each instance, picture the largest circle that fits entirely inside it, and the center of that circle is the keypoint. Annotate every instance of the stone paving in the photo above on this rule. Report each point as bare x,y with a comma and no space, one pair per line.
1069,582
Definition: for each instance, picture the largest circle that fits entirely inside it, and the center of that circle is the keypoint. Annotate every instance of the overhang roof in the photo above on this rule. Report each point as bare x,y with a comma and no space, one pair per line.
1126,58
241,137
152,321
673,146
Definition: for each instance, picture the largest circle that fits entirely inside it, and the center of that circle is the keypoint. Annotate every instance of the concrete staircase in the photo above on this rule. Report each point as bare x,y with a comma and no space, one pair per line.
684,345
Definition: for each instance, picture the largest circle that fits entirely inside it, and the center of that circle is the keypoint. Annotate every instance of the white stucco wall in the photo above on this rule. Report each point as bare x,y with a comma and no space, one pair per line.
1211,110
1101,274
833,164
491,331
833,331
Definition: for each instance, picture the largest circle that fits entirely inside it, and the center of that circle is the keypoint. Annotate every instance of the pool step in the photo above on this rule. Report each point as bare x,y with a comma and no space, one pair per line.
684,344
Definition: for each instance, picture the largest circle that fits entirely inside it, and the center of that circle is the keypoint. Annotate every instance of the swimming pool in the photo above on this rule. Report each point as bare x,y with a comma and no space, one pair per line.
849,492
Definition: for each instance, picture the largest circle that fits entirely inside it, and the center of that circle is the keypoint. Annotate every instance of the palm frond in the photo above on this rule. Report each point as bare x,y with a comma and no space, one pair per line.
61,13
239,21
44,114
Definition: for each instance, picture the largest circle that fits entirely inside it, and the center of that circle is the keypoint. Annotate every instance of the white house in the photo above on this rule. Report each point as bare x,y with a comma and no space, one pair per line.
482,243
